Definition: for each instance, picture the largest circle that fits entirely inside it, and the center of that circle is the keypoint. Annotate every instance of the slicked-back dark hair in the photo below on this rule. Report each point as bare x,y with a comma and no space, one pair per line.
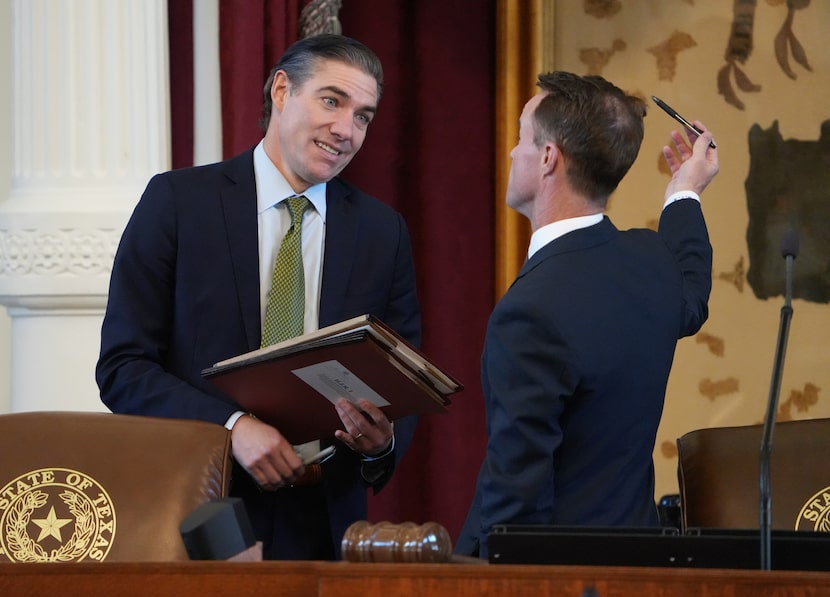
596,125
300,60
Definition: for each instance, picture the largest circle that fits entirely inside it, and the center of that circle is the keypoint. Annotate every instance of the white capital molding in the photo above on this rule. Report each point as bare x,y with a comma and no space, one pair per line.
52,257
31,253
70,265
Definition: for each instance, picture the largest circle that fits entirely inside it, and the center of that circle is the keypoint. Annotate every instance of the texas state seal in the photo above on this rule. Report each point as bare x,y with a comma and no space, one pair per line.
815,514
55,515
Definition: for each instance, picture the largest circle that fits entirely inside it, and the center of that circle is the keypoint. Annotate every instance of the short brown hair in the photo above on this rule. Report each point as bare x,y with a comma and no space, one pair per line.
595,124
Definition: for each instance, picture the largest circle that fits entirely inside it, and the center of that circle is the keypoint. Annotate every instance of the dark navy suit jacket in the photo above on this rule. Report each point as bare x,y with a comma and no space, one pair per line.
184,294
575,365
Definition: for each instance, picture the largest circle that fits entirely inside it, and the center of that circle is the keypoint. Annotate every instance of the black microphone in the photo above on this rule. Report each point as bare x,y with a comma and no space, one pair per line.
789,244
789,251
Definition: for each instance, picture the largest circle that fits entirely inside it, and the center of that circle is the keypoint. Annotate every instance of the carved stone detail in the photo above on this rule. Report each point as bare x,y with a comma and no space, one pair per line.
54,252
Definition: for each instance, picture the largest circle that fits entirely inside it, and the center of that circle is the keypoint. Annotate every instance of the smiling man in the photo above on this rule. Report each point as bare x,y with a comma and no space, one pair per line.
195,272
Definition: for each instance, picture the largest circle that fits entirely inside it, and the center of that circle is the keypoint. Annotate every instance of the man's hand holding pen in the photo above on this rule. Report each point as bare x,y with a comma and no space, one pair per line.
693,162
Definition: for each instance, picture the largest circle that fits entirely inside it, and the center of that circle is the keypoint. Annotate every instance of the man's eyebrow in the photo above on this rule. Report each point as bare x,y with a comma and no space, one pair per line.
342,93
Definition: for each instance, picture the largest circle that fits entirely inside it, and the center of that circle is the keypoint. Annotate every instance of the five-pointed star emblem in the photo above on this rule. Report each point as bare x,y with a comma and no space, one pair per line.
51,525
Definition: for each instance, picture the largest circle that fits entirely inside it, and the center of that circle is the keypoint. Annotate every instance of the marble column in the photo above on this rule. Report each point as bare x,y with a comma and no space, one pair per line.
90,126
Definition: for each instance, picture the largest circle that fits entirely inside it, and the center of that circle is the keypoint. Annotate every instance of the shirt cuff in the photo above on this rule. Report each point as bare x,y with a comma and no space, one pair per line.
375,468
233,419
681,195
384,454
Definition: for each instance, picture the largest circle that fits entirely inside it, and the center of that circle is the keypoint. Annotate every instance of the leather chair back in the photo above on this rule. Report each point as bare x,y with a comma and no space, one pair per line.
719,476
78,486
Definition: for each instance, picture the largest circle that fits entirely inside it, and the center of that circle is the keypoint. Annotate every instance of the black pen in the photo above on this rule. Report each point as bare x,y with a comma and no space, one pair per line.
671,112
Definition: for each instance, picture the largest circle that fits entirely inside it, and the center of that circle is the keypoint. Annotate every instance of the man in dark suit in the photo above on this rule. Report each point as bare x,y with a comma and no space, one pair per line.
193,274
578,351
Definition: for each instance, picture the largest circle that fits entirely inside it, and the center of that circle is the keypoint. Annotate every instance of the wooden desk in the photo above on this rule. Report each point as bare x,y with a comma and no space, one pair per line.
339,579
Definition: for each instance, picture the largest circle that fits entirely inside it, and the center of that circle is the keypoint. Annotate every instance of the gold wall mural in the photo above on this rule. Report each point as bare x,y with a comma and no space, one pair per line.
756,72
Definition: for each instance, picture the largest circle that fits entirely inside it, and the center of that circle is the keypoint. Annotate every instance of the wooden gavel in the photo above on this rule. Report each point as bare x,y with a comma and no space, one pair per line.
404,542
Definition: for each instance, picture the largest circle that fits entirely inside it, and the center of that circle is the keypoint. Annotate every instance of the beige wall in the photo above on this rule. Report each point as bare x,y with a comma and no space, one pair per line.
721,376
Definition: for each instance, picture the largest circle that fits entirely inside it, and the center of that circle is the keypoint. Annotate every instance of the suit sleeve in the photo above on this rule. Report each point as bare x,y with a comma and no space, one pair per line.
527,390
136,373
683,230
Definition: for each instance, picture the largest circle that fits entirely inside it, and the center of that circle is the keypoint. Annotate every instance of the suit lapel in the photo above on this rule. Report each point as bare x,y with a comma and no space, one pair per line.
342,219
239,207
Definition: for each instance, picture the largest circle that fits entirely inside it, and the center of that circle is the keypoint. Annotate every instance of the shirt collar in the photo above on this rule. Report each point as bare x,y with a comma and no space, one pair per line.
272,188
554,230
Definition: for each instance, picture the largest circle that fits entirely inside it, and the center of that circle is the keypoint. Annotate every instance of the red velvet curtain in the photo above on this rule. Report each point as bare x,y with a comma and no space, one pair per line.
180,26
429,154
252,36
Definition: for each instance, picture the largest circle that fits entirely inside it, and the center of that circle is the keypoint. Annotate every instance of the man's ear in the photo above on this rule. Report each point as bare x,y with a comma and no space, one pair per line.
549,157
279,90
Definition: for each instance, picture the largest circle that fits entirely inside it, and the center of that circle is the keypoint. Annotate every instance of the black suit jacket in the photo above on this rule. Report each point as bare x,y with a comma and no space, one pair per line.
184,294
575,365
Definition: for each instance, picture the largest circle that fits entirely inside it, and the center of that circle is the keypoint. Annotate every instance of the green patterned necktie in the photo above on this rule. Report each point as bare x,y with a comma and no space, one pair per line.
286,299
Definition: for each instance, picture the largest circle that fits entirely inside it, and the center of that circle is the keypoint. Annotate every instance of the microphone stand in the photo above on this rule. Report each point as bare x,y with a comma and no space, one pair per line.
769,420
